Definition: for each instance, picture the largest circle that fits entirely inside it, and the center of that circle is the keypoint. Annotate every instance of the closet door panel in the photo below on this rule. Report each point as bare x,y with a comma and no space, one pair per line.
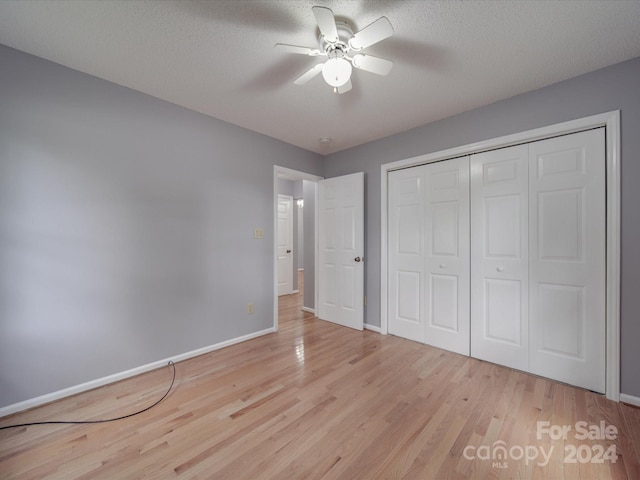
499,256
567,259
447,255
406,253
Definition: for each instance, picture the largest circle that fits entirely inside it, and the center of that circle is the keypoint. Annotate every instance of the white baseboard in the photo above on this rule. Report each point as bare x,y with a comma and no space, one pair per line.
310,310
373,328
83,387
630,399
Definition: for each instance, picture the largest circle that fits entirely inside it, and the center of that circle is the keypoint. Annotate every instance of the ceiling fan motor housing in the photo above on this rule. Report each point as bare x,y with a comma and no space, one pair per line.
345,32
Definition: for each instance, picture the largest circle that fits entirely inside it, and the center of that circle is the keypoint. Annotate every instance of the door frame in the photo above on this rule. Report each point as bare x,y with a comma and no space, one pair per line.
611,122
288,173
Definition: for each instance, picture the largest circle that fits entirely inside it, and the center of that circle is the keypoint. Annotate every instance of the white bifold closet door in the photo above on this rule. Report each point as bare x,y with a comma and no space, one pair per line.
538,258
429,254
501,255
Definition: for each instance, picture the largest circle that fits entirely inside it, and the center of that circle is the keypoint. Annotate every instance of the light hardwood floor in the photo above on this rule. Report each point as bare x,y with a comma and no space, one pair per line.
317,400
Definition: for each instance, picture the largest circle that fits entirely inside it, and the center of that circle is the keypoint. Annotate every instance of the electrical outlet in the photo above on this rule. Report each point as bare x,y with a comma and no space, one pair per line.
258,233
250,309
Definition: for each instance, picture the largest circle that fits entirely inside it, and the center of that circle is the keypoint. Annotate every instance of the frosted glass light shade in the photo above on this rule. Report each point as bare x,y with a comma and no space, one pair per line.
336,71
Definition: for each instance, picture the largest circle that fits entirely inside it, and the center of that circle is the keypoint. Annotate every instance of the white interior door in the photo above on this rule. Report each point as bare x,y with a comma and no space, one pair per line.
285,244
447,255
341,250
567,259
500,256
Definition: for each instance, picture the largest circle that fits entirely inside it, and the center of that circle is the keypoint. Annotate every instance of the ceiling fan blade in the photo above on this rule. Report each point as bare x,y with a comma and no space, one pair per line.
327,23
369,63
309,74
373,33
295,49
345,88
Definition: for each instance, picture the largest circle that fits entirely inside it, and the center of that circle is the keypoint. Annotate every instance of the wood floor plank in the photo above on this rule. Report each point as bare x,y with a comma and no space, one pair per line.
316,400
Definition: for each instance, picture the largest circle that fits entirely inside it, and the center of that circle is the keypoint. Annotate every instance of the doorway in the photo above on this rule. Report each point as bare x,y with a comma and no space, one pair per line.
302,187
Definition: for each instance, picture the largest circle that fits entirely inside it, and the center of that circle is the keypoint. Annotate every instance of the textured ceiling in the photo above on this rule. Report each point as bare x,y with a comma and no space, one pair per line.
217,57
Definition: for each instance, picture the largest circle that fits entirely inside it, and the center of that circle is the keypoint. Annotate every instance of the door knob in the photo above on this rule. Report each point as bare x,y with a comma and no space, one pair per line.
500,269
442,265
357,259
288,251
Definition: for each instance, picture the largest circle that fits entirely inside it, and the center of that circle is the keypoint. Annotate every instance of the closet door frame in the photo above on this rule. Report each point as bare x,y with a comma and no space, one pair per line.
611,122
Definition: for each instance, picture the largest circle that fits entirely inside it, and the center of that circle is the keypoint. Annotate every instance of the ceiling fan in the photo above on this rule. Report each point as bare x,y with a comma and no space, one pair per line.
342,47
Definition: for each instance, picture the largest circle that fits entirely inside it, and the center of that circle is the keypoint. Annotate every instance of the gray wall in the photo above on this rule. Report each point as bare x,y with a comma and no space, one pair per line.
297,189
612,88
126,228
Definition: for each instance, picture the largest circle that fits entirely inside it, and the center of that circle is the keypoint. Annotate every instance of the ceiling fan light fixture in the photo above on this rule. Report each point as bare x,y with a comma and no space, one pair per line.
336,71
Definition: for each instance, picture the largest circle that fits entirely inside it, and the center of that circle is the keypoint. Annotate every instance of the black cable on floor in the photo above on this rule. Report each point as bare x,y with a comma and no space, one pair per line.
81,422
